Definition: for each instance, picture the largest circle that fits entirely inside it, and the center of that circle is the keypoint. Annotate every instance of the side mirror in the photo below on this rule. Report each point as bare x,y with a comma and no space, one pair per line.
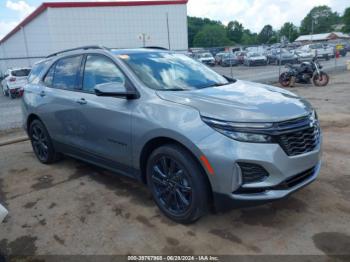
115,89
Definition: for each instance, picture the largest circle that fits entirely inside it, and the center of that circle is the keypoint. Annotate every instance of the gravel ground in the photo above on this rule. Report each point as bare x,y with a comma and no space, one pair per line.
74,208
10,113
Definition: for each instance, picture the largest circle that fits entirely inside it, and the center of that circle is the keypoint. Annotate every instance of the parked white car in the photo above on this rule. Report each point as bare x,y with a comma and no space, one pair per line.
252,59
303,55
14,81
319,50
205,58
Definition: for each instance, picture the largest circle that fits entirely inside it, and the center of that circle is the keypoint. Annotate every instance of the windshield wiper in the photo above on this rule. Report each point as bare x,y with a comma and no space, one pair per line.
216,84
173,89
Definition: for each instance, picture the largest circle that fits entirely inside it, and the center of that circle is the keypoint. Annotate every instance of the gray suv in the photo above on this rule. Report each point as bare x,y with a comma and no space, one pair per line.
199,140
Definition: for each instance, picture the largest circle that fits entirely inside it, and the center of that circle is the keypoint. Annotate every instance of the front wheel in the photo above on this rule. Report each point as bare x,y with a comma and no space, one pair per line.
321,79
177,184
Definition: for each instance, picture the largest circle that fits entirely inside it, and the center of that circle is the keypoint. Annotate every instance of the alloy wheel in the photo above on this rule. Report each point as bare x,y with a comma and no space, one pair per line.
40,142
172,185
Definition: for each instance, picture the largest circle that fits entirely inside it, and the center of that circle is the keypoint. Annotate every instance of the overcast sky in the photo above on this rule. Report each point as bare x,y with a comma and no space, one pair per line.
253,14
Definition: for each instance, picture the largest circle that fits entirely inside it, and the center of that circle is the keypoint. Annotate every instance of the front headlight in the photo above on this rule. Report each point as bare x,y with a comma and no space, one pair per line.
241,131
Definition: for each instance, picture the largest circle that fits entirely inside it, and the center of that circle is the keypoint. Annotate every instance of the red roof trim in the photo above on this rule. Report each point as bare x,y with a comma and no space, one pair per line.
44,6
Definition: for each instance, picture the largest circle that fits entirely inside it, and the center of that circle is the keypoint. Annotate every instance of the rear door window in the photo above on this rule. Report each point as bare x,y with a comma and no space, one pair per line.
67,72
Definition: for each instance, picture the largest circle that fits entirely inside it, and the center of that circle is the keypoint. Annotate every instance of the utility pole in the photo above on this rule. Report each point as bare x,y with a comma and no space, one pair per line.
167,27
25,45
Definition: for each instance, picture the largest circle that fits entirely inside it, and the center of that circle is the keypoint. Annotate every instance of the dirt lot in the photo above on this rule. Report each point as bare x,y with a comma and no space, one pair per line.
74,208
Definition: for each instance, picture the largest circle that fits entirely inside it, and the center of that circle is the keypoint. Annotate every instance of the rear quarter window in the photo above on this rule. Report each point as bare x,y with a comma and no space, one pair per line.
20,72
35,73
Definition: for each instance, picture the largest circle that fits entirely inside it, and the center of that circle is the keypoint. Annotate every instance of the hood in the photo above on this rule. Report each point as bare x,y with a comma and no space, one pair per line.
242,101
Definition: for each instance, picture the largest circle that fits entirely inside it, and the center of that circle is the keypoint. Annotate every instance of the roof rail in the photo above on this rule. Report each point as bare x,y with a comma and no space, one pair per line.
155,47
78,48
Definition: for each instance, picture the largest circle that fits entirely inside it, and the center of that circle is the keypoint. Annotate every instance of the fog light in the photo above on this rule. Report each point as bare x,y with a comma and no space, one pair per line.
252,173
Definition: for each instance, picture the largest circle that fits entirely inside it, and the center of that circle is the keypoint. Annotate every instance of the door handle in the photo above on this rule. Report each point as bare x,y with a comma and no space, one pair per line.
81,101
42,93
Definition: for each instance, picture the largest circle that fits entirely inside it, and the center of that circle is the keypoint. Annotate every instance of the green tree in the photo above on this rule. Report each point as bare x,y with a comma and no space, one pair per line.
346,20
235,31
249,38
196,24
211,36
265,34
320,19
290,31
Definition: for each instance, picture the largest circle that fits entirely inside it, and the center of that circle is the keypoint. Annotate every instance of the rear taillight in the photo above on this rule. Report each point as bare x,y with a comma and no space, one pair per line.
12,79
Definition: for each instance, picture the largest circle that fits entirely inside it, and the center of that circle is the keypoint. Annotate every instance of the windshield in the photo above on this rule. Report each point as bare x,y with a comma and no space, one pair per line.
206,55
254,54
228,56
170,71
20,72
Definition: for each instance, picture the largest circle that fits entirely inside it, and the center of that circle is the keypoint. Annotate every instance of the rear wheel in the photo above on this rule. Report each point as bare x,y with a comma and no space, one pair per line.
321,79
41,143
177,184
5,91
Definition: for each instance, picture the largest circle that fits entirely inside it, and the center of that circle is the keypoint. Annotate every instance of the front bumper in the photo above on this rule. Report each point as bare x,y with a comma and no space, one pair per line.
209,62
229,63
258,62
229,191
304,58
288,61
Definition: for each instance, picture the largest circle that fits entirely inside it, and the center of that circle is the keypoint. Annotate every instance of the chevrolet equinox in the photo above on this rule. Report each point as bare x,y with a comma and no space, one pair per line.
197,139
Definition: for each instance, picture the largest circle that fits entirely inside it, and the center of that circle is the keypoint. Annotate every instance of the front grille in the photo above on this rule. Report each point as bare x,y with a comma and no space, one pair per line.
252,172
301,141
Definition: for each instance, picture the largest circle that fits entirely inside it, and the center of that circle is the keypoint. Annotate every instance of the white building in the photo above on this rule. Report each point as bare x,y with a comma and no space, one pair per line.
57,26
322,37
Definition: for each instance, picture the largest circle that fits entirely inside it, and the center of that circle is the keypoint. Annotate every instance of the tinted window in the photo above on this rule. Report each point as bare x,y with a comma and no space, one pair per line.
21,72
36,71
66,72
49,76
99,70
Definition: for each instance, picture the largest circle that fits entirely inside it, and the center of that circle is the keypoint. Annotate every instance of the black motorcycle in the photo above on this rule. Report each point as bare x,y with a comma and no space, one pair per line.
303,74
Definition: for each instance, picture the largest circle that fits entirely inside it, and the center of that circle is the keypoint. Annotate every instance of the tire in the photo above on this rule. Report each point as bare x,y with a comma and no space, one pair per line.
5,91
322,80
285,80
41,143
183,196
13,96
